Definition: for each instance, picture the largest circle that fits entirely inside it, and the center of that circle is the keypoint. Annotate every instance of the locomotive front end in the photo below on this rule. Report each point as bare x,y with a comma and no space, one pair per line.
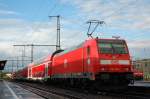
114,61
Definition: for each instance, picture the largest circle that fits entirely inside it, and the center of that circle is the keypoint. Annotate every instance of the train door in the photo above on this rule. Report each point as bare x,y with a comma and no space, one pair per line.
87,63
50,68
87,60
29,72
46,70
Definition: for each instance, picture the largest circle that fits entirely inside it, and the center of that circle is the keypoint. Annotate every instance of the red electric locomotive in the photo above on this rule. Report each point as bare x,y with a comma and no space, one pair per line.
95,62
99,60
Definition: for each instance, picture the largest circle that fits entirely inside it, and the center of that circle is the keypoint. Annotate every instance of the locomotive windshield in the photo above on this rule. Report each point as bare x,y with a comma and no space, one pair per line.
112,47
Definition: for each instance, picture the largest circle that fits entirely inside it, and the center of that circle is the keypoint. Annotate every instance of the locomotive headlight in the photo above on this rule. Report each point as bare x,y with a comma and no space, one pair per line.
105,62
109,62
124,62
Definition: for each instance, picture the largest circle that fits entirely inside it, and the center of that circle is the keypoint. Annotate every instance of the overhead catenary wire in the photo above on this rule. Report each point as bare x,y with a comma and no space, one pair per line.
32,48
50,11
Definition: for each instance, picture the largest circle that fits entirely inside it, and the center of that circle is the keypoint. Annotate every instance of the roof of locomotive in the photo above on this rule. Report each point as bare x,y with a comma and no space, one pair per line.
107,39
89,39
104,39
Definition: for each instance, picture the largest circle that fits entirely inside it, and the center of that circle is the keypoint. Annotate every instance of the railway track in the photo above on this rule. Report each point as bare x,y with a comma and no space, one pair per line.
52,92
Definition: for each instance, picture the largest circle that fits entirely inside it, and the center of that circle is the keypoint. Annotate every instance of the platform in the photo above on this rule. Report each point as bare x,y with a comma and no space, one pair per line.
9,90
141,84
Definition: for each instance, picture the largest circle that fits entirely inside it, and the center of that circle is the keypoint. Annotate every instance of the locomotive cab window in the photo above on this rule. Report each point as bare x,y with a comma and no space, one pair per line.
112,47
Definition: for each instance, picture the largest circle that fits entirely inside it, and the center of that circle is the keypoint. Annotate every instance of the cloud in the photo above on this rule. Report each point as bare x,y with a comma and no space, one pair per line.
6,49
12,30
7,12
139,44
139,48
128,14
11,22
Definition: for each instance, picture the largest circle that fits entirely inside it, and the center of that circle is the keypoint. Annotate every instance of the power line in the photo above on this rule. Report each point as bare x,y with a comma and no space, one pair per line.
50,11
32,48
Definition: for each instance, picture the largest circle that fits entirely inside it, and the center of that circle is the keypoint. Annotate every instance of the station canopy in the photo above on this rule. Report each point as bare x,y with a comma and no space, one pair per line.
2,64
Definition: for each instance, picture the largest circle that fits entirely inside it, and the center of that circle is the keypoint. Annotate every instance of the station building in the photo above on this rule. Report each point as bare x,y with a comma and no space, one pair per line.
143,65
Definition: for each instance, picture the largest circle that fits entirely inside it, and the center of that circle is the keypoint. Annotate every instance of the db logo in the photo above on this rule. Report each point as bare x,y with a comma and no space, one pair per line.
114,62
65,63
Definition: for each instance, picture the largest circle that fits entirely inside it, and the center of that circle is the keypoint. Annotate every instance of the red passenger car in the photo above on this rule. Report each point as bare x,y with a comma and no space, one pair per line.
38,70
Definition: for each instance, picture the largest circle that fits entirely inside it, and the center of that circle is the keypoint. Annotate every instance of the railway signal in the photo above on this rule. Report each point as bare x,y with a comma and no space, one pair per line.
2,65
